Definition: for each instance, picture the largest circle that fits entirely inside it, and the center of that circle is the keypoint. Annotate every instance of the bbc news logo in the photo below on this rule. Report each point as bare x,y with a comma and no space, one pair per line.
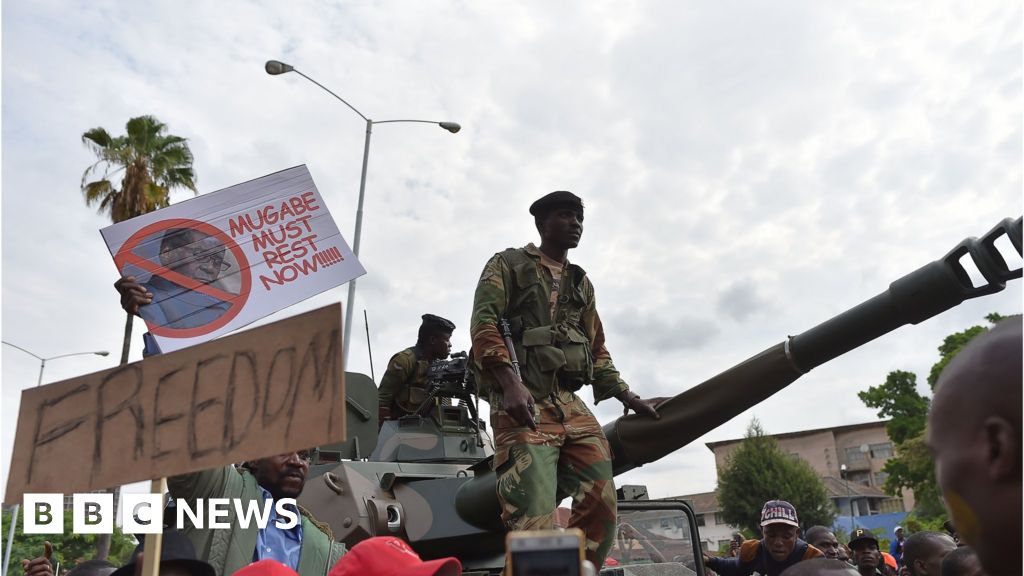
142,513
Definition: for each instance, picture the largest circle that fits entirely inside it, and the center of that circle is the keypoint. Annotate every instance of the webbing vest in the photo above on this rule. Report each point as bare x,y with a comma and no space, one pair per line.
413,391
551,351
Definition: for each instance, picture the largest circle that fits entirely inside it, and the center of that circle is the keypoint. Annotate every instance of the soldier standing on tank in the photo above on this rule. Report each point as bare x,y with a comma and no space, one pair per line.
404,384
548,444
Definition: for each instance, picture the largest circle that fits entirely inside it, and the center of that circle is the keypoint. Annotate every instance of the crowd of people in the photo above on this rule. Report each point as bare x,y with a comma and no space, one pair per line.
532,303
781,551
974,434
378,556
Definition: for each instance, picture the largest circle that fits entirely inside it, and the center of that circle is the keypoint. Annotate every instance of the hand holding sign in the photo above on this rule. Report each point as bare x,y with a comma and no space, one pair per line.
133,294
189,296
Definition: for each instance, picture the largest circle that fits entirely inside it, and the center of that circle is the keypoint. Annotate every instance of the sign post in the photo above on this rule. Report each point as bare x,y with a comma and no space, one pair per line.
153,548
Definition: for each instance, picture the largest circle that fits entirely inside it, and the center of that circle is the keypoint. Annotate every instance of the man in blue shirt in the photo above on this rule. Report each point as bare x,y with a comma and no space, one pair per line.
896,547
307,547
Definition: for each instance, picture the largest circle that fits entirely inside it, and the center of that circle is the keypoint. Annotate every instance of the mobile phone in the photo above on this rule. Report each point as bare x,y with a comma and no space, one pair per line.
544,553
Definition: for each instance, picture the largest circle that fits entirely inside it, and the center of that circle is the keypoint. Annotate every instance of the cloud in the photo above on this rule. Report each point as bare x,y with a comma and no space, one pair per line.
749,169
665,331
741,300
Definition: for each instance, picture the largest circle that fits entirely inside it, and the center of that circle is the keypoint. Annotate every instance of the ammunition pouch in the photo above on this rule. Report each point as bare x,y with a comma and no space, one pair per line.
578,370
556,357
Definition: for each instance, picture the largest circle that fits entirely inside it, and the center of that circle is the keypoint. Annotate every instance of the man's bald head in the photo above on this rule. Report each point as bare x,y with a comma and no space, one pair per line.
817,566
962,562
923,552
987,375
974,431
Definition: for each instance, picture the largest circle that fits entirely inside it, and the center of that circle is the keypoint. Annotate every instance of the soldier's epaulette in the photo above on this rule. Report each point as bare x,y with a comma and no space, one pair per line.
749,550
323,526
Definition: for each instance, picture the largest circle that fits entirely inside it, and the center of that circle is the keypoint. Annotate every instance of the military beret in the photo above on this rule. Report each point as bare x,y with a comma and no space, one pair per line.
555,200
438,322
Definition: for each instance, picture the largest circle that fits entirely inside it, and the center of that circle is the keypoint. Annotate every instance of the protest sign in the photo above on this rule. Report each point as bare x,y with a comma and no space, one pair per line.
261,392
222,260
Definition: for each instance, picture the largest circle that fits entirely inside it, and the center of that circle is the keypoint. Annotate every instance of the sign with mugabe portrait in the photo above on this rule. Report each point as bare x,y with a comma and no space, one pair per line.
273,389
222,260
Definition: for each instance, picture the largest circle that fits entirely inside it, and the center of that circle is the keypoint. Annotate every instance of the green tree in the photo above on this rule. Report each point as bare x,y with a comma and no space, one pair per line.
907,410
759,471
953,343
68,549
150,162
898,400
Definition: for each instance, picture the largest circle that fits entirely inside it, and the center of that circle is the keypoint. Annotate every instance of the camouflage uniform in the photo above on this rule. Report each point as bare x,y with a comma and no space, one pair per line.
403,386
568,454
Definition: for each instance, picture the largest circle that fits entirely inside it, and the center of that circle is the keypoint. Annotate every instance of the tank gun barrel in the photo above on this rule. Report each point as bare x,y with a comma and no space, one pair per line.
926,292
929,290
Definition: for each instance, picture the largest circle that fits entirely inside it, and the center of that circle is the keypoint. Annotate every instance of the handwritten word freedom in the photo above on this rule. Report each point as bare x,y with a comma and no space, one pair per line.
264,391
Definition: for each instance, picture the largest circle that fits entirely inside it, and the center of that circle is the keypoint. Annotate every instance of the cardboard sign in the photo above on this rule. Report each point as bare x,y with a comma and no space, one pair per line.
222,260
262,392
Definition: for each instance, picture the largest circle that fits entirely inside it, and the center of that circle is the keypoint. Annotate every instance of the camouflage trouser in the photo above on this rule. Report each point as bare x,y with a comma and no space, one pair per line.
567,456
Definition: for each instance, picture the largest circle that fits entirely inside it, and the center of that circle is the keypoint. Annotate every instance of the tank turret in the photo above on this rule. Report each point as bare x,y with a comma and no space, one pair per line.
419,460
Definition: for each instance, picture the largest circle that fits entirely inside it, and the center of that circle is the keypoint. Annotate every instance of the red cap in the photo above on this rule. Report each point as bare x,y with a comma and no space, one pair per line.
266,567
890,561
389,556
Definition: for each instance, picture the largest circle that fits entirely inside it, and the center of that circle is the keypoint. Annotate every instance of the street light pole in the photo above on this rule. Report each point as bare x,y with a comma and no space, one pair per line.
350,302
274,68
42,361
17,507
849,495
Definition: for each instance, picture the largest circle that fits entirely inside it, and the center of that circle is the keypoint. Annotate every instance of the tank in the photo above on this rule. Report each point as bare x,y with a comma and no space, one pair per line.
429,479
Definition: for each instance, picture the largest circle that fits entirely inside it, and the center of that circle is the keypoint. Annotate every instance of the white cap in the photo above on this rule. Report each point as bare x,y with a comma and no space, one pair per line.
897,529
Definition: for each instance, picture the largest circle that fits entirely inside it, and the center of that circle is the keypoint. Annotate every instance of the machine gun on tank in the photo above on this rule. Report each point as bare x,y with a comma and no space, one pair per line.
452,378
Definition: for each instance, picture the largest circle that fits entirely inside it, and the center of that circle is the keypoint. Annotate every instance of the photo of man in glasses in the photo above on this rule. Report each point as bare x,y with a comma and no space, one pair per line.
194,255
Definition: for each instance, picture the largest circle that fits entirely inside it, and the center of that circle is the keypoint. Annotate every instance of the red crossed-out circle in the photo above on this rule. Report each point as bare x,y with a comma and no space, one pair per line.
126,255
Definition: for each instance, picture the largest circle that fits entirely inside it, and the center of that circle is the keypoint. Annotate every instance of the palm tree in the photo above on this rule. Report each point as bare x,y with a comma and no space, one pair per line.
153,163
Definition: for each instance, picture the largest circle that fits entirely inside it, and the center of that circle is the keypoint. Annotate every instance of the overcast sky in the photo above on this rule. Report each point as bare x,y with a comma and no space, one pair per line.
749,169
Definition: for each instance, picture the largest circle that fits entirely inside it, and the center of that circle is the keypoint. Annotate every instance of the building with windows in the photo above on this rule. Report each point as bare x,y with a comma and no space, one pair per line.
849,460
714,532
